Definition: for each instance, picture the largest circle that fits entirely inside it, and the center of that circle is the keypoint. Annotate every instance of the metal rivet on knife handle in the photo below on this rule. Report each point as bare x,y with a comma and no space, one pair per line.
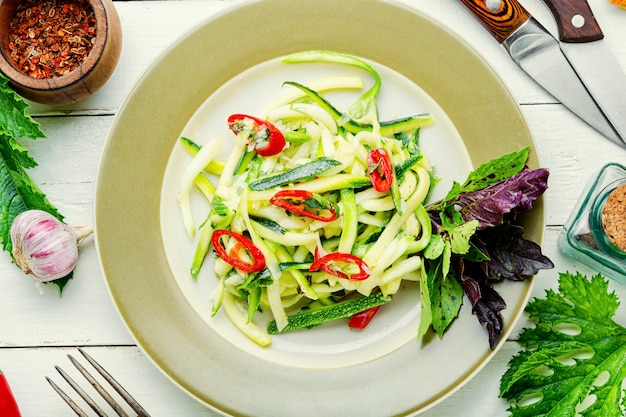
501,22
591,57
566,13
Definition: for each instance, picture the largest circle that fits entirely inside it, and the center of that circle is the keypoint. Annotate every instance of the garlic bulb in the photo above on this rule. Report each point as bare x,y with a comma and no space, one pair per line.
43,246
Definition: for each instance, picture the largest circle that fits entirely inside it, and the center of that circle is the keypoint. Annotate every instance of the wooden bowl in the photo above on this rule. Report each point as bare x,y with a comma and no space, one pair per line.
84,80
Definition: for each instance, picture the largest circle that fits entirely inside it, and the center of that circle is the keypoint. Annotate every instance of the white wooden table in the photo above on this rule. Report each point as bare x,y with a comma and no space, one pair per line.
37,331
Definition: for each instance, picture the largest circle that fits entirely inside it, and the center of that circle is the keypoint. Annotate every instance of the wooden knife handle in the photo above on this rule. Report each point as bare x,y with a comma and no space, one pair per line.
575,21
500,20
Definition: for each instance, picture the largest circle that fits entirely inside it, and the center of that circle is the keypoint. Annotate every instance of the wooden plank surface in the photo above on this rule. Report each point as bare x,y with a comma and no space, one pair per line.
38,330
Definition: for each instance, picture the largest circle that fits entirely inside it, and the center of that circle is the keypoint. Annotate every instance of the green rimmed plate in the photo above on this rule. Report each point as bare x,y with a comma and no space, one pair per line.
129,213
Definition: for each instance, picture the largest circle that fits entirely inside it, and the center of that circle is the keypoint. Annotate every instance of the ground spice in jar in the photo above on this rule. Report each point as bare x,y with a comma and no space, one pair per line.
614,217
51,38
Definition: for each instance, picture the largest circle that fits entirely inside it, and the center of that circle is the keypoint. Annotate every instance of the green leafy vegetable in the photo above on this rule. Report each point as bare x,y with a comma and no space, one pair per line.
17,190
474,244
574,361
490,173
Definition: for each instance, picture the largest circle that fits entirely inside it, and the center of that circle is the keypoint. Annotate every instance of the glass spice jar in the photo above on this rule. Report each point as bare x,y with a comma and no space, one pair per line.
595,233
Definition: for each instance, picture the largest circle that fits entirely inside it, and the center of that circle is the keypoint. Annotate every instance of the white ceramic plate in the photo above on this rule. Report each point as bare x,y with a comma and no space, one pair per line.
145,253
332,345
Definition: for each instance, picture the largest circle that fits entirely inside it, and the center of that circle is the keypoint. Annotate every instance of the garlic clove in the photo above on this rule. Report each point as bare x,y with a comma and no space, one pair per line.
43,246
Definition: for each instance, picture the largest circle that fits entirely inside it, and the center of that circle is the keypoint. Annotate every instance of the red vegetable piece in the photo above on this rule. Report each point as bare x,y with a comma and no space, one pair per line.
267,139
362,319
8,405
380,169
233,257
305,203
331,265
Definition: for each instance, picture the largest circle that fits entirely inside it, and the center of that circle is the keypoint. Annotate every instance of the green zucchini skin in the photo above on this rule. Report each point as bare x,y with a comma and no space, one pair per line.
387,128
299,173
344,309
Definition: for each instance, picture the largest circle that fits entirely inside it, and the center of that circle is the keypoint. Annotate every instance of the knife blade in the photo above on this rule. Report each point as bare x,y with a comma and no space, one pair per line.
583,45
538,53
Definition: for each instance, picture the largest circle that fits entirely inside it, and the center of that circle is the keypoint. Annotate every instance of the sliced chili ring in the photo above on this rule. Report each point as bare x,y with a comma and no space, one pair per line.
330,264
305,203
232,257
380,169
362,319
265,138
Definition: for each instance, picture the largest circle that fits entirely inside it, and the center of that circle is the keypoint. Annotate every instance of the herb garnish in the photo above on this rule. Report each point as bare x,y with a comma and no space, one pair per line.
574,358
476,244
17,190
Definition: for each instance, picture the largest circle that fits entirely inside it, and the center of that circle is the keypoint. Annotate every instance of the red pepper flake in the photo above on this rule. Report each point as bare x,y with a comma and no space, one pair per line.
51,38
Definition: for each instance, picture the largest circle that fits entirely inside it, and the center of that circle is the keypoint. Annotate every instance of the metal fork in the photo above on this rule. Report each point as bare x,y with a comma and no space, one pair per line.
103,393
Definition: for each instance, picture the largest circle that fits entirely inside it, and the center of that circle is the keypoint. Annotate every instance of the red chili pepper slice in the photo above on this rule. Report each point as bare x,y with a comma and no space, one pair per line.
380,169
265,138
234,258
307,204
331,265
362,319
8,405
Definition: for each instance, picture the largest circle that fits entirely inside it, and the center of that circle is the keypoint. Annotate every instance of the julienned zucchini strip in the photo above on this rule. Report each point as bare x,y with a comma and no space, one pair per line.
327,153
387,128
300,173
343,309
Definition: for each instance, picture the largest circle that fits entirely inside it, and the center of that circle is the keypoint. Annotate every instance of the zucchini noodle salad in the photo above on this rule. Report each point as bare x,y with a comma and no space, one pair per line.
318,212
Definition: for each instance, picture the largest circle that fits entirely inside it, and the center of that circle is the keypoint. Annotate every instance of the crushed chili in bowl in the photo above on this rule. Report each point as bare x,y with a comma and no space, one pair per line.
51,38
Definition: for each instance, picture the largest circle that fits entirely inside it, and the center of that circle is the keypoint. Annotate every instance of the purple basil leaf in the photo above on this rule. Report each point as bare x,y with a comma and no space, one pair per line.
486,302
511,256
487,310
471,288
513,195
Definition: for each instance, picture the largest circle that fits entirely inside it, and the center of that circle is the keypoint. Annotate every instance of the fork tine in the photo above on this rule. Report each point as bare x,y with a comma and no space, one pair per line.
120,390
116,407
94,406
79,411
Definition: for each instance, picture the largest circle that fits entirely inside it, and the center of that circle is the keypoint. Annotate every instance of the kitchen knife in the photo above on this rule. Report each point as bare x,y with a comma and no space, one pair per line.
582,43
538,53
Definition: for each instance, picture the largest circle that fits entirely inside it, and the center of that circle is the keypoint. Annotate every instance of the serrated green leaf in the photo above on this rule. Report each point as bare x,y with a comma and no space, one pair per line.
446,295
489,173
454,192
14,154
426,315
12,204
460,237
531,362
574,361
14,119
17,190
18,193
496,170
